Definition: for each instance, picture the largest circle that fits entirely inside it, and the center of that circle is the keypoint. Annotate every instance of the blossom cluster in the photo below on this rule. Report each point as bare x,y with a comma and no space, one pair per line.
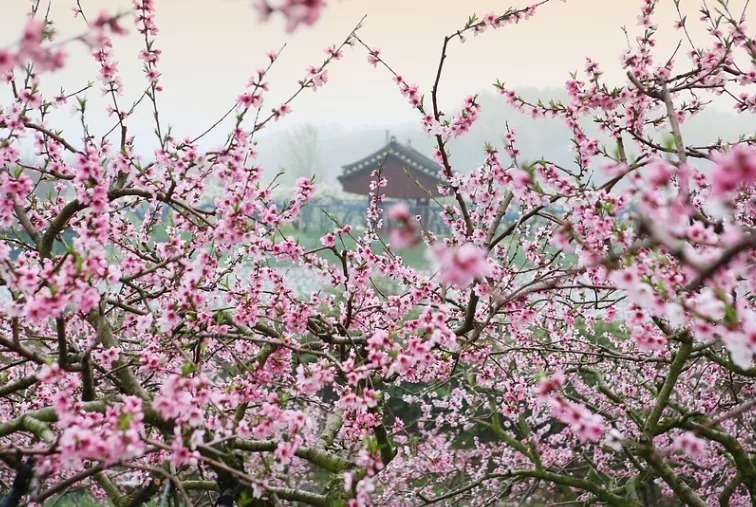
151,329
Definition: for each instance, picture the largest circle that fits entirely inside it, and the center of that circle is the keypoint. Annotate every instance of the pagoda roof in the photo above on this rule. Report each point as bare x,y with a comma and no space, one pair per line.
403,152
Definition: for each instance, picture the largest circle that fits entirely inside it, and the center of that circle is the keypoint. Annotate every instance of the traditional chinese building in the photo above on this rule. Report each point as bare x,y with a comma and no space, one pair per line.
402,166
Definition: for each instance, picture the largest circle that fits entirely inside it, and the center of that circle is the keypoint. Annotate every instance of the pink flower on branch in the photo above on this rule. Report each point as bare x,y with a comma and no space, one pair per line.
690,445
247,100
169,282
297,12
403,233
301,11
586,425
7,60
106,20
315,77
374,57
328,241
551,385
399,212
281,111
458,266
334,52
733,169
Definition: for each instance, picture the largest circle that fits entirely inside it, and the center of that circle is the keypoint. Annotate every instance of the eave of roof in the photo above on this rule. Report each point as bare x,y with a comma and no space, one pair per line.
406,154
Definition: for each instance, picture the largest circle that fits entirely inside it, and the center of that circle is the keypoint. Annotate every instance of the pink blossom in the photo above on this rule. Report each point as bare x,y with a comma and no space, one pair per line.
32,36
7,60
733,169
491,19
107,357
112,22
281,111
460,265
247,100
334,53
328,240
613,439
285,451
181,455
520,178
303,189
550,385
373,57
264,9
690,445
399,212
659,173
586,425
152,305
403,237
49,373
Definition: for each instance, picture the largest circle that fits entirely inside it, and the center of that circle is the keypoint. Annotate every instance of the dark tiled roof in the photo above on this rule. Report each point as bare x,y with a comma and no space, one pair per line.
412,158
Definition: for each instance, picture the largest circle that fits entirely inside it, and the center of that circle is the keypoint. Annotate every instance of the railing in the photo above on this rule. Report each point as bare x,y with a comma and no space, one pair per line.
320,215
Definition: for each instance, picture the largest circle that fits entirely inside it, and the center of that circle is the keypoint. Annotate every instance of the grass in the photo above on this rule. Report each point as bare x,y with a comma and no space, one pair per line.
310,240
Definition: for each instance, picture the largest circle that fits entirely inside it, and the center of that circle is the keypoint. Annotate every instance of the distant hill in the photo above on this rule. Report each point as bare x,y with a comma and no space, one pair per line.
341,144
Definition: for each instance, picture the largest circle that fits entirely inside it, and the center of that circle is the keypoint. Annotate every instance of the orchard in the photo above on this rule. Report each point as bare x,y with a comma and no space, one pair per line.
596,350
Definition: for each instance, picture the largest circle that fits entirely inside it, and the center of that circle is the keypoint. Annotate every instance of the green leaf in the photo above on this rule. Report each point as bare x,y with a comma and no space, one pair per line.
731,316
372,444
188,369
124,421
669,143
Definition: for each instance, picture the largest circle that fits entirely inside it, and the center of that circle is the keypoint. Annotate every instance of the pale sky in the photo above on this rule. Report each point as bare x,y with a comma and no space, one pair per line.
211,47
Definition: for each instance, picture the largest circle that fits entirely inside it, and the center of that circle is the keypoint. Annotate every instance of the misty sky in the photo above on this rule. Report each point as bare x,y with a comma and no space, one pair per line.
210,48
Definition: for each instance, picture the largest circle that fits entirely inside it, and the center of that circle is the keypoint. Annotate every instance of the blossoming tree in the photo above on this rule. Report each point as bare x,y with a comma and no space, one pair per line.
596,349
